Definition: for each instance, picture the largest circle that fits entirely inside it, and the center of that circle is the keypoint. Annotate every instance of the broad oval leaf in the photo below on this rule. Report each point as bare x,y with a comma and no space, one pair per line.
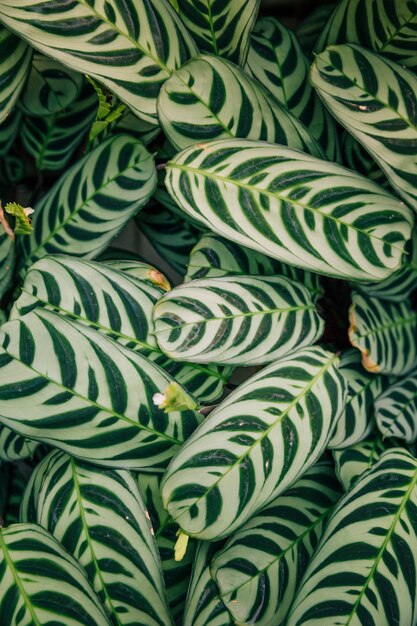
92,201
13,447
255,444
15,57
99,517
203,606
209,98
293,207
374,99
258,570
276,59
43,584
356,421
223,27
132,49
391,28
92,397
50,87
248,321
214,256
385,333
352,462
364,569
396,410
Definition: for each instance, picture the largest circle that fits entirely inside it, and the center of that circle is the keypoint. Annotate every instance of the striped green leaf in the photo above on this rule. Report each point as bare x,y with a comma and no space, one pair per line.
396,410
387,27
248,321
209,98
203,606
374,99
311,27
7,260
13,447
221,27
92,397
52,140
255,444
292,206
138,269
92,202
15,57
176,573
8,131
260,567
356,158
41,583
130,48
50,87
118,302
276,59
400,285
356,422
214,256
364,569
385,333
99,517
352,462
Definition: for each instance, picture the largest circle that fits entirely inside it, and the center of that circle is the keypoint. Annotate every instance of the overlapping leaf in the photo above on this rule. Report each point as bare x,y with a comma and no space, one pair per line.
15,57
8,131
92,201
356,158
260,567
13,447
209,98
130,49
91,397
364,569
311,27
396,410
255,444
352,462
374,99
385,333
248,321
292,206
41,583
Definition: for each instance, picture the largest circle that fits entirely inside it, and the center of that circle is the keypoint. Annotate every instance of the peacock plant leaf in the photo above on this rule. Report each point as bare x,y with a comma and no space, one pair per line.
13,447
15,58
396,410
352,462
356,158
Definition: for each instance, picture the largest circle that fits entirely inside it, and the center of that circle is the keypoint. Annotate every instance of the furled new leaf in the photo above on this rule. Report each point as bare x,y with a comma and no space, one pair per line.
92,201
246,321
15,57
352,462
293,207
364,569
385,333
260,567
375,100
255,444
131,49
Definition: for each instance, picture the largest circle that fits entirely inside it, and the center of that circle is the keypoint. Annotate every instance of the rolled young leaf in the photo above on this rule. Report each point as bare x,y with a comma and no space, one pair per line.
245,321
293,207
255,444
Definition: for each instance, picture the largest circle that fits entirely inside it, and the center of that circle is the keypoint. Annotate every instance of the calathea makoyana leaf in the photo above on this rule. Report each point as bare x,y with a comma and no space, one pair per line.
248,320
209,98
132,49
213,256
260,567
292,206
92,201
356,158
176,573
223,27
15,58
389,28
352,462
276,59
255,444
396,410
50,87
385,333
311,27
92,397
374,99
51,140
203,606
356,421
116,303
13,447
99,516
364,569
42,583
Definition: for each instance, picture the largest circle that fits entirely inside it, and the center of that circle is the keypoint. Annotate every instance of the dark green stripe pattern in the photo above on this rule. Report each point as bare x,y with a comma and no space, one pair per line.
352,462
15,58
13,447
396,410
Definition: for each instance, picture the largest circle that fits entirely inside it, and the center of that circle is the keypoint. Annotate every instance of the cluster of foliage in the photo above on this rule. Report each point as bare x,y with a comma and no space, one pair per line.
147,477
